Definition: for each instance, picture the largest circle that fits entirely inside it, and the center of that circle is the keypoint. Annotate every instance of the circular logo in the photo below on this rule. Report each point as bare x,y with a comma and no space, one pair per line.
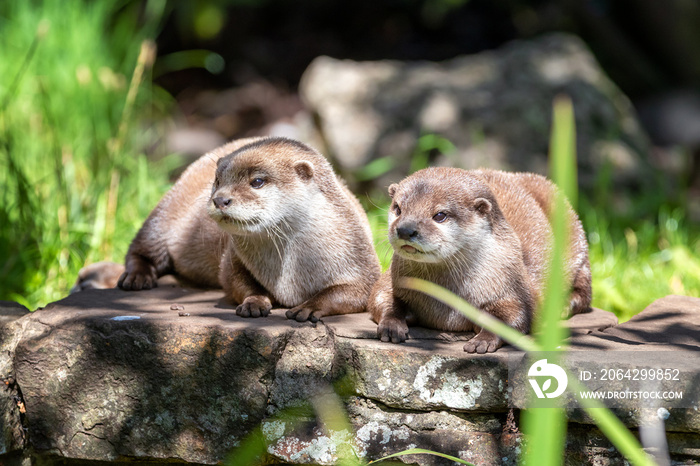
544,373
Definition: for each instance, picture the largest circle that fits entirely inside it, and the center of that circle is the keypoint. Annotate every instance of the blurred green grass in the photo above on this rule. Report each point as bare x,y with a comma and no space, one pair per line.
75,184
637,261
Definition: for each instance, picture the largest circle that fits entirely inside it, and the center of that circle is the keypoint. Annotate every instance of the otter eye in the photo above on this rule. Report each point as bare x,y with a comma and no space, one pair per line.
257,183
440,217
397,209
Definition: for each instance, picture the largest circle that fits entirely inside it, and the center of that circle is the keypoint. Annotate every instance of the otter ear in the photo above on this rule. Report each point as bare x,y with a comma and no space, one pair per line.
483,206
304,169
392,190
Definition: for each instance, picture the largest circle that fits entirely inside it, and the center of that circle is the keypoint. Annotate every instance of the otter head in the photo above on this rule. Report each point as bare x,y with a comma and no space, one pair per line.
440,213
261,186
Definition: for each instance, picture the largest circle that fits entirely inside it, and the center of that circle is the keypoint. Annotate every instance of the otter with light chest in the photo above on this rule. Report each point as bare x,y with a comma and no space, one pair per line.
484,235
268,221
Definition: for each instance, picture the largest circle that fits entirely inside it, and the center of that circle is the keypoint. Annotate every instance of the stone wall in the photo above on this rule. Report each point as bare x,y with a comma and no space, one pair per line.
110,377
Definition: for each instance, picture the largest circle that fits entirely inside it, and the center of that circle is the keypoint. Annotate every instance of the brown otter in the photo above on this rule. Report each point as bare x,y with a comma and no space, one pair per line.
486,236
269,221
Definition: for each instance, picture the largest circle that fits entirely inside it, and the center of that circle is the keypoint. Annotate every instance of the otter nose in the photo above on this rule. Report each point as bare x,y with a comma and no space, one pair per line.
221,202
407,232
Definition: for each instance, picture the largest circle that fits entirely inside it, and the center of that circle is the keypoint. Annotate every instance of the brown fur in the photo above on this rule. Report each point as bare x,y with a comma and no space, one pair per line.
300,240
98,276
492,249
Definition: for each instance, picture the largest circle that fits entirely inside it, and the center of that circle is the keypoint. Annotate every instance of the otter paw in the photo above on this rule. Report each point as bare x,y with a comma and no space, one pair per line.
484,342
393,330
254,306
303,313
138,277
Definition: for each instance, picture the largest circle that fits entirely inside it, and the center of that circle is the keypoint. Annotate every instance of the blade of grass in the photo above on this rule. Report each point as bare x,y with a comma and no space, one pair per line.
478,317
421,451
41,31
375,168
612,427
331,412
546,428
550,332
562,149
145,60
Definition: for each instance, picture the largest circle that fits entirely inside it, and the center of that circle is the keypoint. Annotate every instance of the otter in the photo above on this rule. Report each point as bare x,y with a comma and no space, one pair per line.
484,235
267,220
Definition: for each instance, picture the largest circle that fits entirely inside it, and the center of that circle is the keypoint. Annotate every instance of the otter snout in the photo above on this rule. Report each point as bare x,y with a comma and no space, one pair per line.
222,202
409,238
407,232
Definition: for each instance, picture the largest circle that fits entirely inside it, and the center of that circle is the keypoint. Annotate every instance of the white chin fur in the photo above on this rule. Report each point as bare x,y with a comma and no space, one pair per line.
418,256
243,230
238,227
421,254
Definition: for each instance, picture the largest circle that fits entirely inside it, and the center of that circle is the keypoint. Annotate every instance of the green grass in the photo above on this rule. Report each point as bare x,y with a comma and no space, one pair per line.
635,262
74,186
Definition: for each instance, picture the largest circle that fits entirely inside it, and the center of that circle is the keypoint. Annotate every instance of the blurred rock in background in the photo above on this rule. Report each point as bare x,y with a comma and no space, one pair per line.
500,64
495,107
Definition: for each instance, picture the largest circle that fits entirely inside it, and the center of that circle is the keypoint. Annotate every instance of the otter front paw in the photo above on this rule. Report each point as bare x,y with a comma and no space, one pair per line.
254,306
304,312
392,329
483,342
139,275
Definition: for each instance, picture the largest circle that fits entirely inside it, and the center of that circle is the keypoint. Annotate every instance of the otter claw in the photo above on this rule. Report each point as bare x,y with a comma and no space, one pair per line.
392,330
139,275
136,282
302,314
254,306
481,343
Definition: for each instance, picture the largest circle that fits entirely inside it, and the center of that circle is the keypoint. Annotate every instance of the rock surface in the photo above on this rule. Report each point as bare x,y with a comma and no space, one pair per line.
495,107
173,374
12,434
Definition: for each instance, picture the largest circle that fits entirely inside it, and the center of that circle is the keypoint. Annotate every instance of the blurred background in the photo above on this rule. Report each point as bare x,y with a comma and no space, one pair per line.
103,103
